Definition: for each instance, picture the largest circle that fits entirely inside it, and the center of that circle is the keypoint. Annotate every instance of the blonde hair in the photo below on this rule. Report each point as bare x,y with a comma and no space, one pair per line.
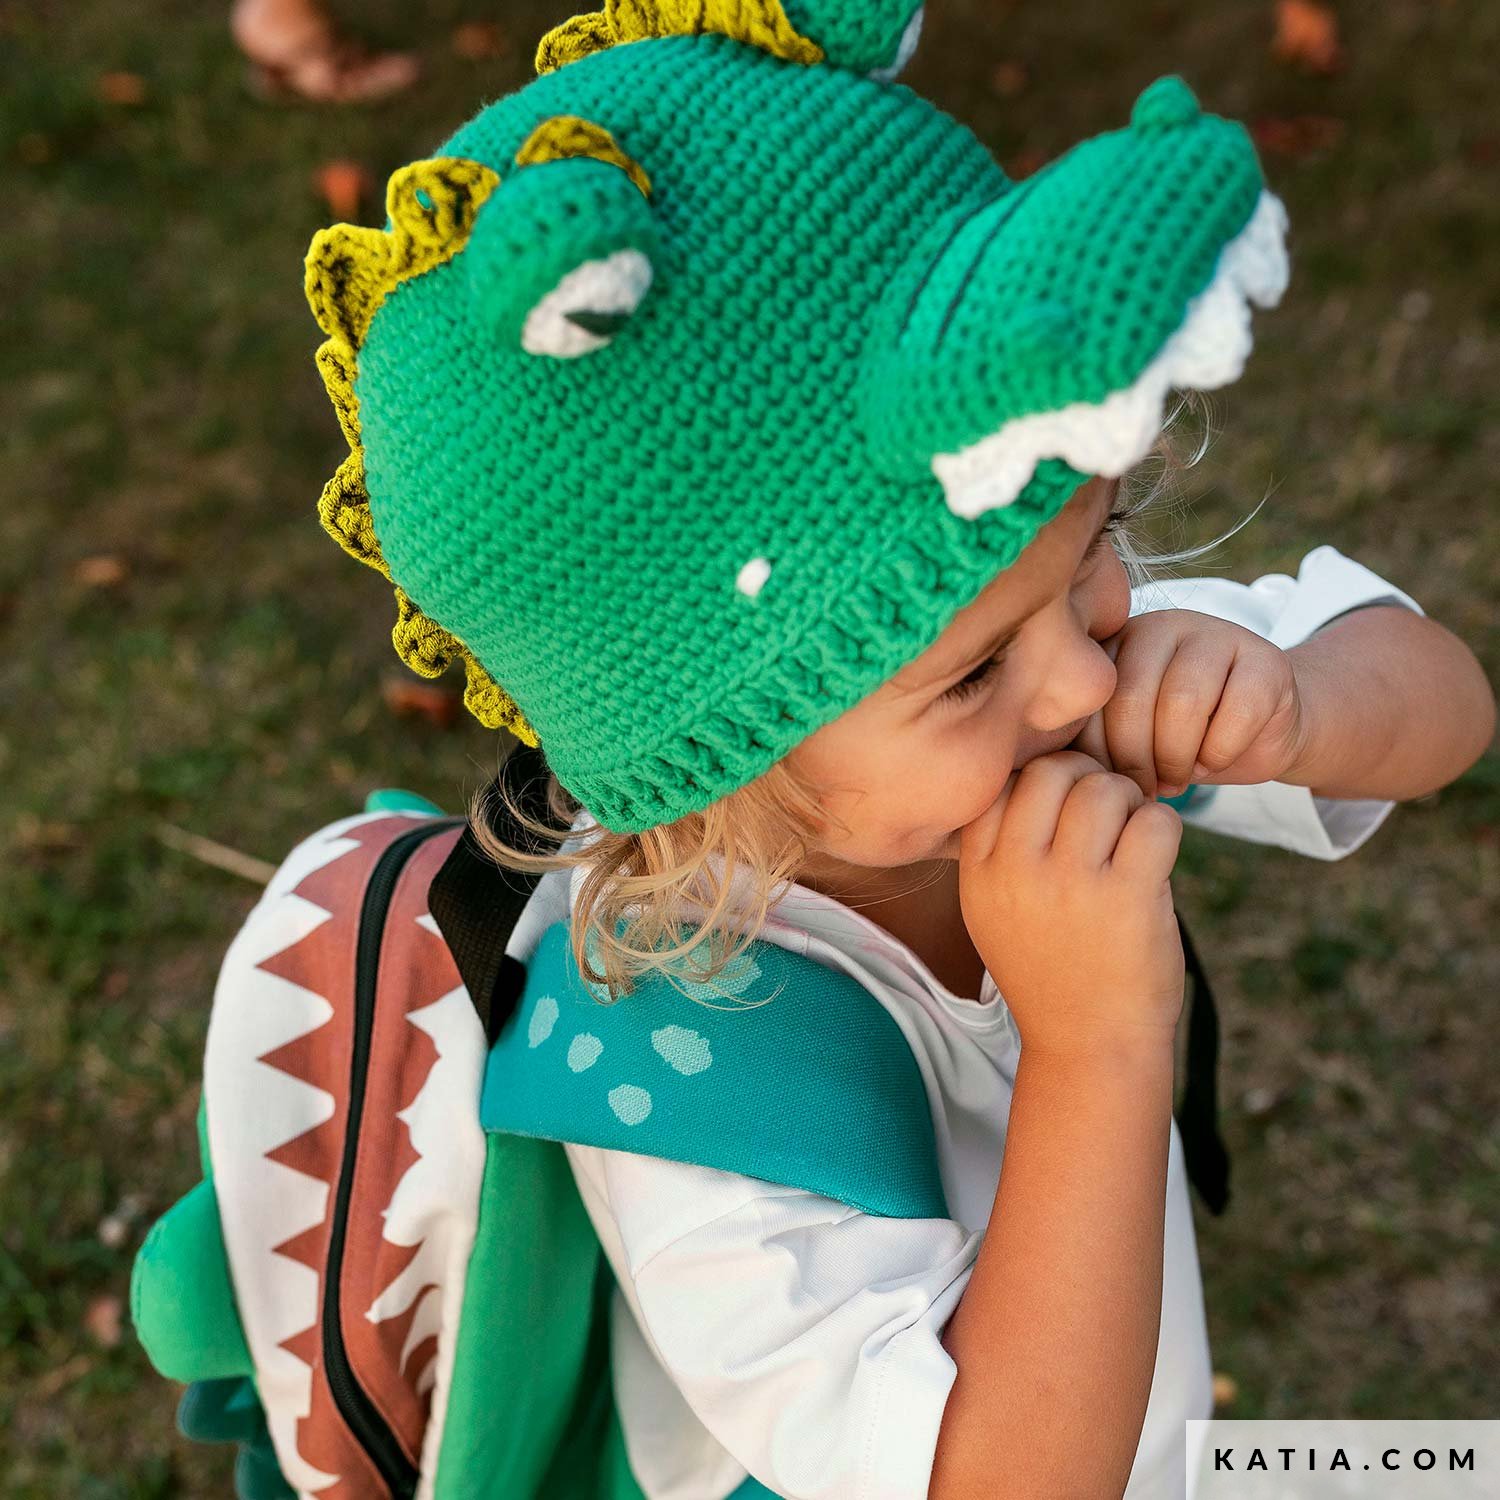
630,910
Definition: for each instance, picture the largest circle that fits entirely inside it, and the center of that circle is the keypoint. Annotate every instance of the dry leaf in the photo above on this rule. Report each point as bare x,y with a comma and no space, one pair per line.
36,836
33,149
1026,162
121,88
103,1321
1226,1390
1297,136
60,1377
1307,33
343,185
1009,78
104,571
413,699
478,41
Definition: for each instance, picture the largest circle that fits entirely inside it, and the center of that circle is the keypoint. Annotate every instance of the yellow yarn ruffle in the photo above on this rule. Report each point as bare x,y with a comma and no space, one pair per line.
350,270
761,23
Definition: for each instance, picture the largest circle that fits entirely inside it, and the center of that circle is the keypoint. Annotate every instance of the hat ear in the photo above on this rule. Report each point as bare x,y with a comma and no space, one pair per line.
875,37
563,254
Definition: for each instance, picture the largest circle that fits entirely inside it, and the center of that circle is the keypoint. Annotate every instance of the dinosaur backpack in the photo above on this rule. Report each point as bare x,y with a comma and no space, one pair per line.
386,1284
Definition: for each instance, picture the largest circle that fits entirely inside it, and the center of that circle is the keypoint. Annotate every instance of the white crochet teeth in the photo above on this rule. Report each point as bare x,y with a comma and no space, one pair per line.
1208,350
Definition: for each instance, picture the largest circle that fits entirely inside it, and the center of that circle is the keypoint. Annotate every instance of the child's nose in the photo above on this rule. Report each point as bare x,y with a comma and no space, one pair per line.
1079,684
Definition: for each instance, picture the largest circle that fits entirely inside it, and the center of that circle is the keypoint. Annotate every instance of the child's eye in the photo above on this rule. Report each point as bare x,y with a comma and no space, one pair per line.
966,687
1112,523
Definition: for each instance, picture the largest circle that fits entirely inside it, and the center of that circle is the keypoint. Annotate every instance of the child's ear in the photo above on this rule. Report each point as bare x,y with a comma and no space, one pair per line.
562,253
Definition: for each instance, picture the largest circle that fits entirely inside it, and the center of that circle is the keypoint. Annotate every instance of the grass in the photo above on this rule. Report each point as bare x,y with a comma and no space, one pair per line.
162,407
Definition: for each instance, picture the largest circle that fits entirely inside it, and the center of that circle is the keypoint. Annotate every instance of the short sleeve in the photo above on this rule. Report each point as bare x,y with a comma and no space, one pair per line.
1286,611
805,1335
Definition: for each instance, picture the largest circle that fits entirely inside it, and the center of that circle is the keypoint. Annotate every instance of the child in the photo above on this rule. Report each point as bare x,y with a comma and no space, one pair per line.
759,449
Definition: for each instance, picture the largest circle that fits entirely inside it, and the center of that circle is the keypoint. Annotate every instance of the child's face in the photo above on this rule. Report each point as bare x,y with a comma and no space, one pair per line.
919,758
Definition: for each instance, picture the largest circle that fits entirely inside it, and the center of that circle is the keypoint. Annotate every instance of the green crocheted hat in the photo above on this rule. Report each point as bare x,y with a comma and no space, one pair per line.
693,388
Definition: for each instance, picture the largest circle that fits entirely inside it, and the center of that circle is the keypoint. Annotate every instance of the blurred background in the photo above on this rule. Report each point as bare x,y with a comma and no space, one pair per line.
188,658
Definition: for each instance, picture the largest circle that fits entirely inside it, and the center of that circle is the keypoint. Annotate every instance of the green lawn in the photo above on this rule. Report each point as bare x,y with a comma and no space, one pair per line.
161,407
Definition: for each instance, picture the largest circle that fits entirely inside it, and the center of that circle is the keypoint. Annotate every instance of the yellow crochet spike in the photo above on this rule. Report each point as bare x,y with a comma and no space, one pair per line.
564,136
428,649
350,270
761,23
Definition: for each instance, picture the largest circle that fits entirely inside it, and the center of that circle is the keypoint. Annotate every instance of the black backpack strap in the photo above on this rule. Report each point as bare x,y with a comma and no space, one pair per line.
1203,1149
477,903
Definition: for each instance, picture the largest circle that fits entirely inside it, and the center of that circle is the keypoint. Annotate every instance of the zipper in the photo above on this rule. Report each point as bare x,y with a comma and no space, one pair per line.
370,1429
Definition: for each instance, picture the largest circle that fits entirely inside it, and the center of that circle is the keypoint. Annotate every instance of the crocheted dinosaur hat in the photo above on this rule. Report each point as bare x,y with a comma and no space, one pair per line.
693,388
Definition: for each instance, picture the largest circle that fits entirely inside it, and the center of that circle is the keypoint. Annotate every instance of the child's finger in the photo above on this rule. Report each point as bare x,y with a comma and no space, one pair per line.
976,839
1190,691
1092,741
1093,815
1030,819
1147,847
1130,714
1250,699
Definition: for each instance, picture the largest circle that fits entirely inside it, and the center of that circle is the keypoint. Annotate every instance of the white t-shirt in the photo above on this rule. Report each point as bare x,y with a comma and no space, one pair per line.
768,1330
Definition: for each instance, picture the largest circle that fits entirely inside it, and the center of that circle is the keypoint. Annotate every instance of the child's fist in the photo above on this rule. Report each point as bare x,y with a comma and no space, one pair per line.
1198,700
1065,886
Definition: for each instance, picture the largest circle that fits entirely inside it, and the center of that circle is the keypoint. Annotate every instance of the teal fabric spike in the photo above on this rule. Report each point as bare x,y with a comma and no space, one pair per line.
390,799
228,1411
741,1082
1187,796
220,1411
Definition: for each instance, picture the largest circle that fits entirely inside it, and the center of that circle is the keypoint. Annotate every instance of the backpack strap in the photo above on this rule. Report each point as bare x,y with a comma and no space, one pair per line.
792,1072
476,904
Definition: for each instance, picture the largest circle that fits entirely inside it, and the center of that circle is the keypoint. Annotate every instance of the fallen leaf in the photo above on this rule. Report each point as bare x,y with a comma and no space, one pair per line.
105,571
1307,33
343,185
121,88
60,1377
478,41
33,149
37,836
1009,78
1226,1390
1297,136
103,1319
409,699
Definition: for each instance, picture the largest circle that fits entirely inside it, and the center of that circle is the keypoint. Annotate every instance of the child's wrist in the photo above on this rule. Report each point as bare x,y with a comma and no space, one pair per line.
1313,751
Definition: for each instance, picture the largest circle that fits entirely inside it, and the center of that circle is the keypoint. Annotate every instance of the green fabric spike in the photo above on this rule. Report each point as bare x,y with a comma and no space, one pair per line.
181,1298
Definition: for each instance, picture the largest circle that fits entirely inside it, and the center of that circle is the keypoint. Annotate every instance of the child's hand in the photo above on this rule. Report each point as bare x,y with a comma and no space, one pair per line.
1198,700
1065,890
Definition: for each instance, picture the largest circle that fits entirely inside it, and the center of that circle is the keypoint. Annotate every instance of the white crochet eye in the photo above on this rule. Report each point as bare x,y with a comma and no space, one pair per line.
905,49
588,306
